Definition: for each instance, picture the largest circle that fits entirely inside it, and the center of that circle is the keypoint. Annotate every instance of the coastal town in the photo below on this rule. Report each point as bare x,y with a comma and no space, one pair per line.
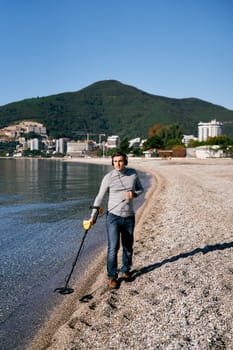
31,139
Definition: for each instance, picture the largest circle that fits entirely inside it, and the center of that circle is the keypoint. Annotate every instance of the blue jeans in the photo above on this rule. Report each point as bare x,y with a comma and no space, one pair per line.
119,227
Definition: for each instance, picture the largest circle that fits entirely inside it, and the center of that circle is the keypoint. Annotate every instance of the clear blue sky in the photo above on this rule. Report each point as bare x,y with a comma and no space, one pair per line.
172,48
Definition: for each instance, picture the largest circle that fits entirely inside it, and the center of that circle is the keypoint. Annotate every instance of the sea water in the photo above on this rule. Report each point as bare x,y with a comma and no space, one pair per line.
42,206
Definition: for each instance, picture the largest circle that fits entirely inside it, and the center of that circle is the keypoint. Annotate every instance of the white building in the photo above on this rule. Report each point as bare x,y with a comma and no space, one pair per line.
211,129
61,145
34,144
203,152
135,142
113,141
187,138
79,148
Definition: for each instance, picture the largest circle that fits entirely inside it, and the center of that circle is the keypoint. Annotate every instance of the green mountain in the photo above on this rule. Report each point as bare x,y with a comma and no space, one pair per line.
113,108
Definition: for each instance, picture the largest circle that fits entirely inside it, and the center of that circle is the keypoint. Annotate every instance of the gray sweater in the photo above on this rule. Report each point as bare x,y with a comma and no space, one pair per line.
117,183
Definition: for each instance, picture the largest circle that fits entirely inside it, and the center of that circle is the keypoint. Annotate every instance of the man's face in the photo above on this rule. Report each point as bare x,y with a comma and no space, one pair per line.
118,163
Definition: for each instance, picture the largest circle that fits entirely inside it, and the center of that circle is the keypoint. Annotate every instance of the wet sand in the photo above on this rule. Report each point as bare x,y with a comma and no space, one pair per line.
180,293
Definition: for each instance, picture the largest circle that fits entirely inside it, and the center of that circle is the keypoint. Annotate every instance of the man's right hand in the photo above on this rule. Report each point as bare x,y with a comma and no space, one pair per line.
92,220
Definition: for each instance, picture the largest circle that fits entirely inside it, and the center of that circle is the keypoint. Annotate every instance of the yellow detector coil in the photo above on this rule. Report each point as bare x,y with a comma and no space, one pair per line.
86,225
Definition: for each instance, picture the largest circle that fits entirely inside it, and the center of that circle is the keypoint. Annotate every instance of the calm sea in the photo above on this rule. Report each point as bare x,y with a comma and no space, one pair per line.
42,206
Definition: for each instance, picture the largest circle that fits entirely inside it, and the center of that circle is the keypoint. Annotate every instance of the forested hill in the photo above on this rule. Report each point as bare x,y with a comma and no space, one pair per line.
113,108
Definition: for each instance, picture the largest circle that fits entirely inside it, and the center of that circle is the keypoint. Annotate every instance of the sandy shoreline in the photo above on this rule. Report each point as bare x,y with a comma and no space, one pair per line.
180,295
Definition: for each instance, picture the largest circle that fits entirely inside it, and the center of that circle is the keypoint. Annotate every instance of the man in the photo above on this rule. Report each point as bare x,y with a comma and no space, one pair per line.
122,185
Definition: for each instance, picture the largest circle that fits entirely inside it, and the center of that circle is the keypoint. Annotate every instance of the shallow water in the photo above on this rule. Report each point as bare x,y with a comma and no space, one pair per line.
42,206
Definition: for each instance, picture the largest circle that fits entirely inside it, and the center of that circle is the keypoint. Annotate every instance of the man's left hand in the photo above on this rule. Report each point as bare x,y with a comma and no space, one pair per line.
129,195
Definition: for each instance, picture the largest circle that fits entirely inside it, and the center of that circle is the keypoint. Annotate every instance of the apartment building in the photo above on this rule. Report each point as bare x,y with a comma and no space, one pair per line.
211,129
113,141
79,148
24,127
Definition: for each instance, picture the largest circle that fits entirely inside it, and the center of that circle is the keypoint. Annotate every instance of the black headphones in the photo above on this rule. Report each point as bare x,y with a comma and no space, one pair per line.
118,154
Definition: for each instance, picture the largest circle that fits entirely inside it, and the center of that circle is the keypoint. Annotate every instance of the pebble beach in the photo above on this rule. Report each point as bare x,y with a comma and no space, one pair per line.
180,295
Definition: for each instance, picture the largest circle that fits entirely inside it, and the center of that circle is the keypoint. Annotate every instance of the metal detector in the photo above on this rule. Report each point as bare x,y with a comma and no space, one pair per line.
87,226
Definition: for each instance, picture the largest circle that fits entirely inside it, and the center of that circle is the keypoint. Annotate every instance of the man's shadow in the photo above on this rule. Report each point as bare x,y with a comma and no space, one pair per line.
136,273
205,250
